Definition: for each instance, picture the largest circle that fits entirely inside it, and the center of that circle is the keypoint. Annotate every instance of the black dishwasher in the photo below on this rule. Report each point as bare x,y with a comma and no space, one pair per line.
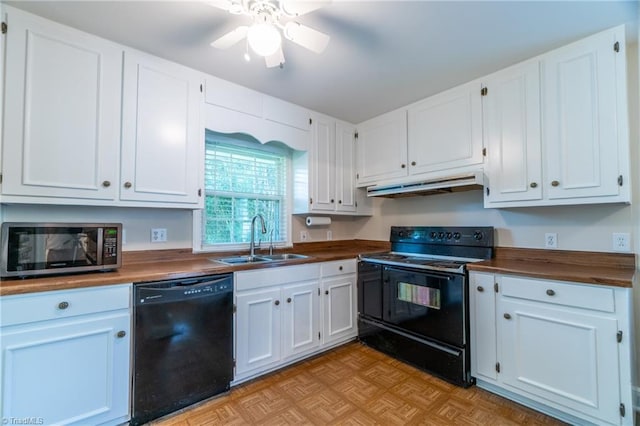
183,343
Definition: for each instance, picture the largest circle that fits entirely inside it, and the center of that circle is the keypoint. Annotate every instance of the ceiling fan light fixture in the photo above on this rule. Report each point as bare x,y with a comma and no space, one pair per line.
264,39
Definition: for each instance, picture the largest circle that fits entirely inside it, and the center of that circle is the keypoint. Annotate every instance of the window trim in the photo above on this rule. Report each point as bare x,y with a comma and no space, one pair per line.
198,246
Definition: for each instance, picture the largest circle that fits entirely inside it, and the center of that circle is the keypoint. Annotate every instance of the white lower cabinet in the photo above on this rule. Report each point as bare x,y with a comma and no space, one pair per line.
281,316
66,356
339,307
559,347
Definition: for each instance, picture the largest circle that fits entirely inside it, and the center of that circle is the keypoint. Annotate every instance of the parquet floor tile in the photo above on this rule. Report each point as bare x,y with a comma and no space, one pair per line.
354,385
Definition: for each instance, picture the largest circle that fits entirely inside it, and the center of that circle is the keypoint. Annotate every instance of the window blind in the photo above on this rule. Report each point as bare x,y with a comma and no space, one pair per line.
240,182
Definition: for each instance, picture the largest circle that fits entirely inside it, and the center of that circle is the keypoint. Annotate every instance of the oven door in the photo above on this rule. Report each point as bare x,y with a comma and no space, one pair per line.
425,303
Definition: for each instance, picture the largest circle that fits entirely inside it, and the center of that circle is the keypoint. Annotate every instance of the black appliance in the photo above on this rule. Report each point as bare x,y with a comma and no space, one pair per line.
413,301
183,344
34,249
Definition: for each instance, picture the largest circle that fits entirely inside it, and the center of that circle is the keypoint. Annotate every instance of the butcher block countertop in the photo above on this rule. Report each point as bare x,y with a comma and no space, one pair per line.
154,265
613,269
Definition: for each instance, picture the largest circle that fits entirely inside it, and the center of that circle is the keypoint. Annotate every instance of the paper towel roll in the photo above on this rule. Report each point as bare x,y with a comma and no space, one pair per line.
318,221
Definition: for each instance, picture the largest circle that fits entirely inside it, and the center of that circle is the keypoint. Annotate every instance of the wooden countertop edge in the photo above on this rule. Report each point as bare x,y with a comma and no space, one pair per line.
599,268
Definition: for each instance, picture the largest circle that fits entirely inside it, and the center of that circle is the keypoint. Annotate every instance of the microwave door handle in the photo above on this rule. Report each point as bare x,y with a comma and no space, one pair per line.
100,246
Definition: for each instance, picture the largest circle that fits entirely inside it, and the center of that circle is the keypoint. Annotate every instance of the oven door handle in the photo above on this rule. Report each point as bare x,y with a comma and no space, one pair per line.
421,272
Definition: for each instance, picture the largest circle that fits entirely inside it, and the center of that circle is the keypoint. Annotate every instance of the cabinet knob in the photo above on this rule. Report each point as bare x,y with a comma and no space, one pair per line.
413,163
403,166
507,316
555,183
533,185
63,305
480,288
340,268
127,185
326,292
288,300
106,184
277,302
332,201
339,201
551,292
120,334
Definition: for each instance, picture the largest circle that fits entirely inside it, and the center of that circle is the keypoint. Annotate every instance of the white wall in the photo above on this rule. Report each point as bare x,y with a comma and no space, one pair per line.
137,222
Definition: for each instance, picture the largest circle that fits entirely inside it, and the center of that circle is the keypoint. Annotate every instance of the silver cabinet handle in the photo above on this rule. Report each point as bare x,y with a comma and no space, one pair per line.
555,183
507,316
551,292
120,334
127,185
63,305
288,300
106,184
480,288
533,185
277,302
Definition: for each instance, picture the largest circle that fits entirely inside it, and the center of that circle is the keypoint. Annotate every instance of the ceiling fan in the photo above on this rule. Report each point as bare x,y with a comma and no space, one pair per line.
270,19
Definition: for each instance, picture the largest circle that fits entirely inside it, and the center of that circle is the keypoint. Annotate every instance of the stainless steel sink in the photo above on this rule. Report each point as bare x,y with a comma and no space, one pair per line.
284,256
240,260
243,260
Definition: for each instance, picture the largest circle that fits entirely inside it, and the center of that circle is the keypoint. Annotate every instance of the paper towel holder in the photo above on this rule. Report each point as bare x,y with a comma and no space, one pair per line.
318,221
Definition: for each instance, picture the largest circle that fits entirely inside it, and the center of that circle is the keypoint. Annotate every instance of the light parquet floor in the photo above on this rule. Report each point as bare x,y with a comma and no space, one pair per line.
355,385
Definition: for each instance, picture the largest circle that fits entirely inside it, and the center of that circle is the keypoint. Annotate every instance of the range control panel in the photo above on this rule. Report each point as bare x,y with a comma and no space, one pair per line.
481,236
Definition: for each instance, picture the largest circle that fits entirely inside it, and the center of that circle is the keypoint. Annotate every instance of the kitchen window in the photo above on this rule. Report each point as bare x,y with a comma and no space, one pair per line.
244,178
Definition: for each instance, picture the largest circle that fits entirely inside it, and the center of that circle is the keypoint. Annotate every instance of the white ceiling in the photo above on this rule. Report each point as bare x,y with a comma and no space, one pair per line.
382,54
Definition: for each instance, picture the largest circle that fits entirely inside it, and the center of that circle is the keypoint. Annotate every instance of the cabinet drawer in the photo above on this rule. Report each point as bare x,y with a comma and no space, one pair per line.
267,277
560,293
339,267
26,308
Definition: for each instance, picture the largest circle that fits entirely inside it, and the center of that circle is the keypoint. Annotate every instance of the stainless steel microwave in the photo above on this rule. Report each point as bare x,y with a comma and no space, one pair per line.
33,249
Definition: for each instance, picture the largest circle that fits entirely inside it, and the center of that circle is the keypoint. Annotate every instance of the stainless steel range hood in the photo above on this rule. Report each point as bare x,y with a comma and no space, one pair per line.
440,185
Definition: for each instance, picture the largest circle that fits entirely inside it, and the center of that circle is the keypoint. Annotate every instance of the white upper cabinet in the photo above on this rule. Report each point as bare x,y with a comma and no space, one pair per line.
162,135
445,130
345,164
585,119
561,137
323,165
331,185
511,113
382,148
62,112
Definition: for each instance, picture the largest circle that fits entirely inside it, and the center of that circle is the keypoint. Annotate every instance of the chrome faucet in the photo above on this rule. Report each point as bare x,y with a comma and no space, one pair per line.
252,245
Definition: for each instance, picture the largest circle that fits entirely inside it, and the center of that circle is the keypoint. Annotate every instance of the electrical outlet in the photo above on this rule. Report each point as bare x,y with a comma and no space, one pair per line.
621,241
551,240
329,235
158,235
304,235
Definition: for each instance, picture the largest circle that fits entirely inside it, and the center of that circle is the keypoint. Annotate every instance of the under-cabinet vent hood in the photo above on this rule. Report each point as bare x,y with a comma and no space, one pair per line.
439,185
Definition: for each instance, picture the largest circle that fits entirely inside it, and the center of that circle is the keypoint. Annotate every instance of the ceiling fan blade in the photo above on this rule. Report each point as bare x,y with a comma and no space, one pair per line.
230,6
275,60
231,38
300,7
313,40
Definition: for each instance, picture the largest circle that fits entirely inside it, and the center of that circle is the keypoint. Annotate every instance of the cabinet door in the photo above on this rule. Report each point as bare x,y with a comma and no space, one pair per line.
62,111
583,124
345,168
323,182
445,130
511,113
561,356
162,137
382,148
300,318
67,372
257,329
482,308
339,308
